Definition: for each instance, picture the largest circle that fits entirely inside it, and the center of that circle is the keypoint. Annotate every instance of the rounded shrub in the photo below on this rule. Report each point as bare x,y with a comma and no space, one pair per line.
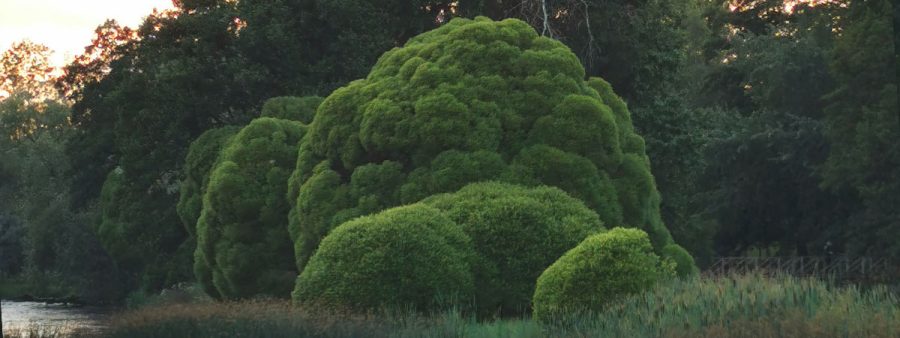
410,256
199,162
201,156
517,232
300,109
242,235
470,101
602,269
684,263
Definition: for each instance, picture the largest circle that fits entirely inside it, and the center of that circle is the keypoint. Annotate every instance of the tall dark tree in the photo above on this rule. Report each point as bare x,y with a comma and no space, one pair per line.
768,86
863,126
177,78
204,65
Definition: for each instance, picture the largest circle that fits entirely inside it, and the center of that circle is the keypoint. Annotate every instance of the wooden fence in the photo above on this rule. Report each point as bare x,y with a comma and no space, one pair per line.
839,268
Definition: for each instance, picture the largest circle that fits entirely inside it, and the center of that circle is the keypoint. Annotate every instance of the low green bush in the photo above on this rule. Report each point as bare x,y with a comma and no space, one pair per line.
405,257
602,269
684,263
517,232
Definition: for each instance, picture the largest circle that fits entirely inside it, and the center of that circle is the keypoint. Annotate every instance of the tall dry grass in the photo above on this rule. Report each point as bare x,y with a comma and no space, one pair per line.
44,330
744,306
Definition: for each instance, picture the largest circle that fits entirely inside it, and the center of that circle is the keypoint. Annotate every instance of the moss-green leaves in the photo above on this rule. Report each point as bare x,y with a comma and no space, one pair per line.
411,256
602,269
517,232
198,164
494,238
243,245
471,101
684,263
300,109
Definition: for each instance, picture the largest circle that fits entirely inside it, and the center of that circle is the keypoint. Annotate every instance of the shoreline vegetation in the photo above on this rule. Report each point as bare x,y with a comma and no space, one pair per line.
738,306
17,290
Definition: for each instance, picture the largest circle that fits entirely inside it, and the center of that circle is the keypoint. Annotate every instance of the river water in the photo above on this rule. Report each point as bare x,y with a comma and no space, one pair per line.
55,317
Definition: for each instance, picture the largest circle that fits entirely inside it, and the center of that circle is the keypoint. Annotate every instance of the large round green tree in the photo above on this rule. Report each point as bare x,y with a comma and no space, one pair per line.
473,100
242,239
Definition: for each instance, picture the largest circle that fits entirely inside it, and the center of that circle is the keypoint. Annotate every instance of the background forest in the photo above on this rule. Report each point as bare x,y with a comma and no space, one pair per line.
771,126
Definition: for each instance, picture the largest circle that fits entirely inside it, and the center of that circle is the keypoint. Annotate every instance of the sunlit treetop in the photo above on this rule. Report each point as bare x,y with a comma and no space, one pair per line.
25,67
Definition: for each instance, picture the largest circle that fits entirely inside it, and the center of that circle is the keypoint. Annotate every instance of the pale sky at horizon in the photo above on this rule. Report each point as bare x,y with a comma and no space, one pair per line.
66,26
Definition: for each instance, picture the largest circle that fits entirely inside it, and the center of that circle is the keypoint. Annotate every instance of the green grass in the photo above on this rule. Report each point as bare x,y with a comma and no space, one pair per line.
748,306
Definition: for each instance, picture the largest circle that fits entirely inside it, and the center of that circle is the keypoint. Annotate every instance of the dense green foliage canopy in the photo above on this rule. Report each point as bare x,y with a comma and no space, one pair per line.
242,234
517,232
301,109
473,100
201,158
862,121
602,269
406,257
128,239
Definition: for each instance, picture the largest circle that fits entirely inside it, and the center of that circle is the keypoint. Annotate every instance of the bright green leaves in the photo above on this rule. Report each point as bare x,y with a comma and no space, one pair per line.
573,174
582,125
482,246
602,269
320,199
517,232
471,101
411,256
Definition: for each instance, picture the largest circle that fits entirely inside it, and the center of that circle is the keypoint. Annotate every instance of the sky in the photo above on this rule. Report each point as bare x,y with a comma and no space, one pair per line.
66,26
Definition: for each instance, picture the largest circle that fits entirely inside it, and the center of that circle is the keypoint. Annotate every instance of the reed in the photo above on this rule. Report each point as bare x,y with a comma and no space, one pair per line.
44,330
741,306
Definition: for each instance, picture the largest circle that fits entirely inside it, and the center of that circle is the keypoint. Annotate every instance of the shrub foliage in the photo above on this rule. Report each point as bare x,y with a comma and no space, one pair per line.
242,240
410,256
198,164
473,100
517,232
301,109
604,268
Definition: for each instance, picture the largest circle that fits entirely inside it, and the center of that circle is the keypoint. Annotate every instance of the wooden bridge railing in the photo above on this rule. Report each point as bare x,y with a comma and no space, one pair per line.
840,268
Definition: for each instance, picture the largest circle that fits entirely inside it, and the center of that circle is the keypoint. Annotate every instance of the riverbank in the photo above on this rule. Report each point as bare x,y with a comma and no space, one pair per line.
12,289
38,319
17,290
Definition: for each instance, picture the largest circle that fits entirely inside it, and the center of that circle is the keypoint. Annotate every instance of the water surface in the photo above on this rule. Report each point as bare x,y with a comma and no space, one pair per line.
22,315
